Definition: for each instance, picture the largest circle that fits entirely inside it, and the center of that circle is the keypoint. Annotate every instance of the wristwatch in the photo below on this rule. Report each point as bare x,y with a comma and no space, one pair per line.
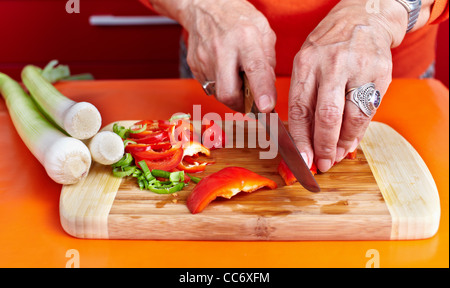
413,7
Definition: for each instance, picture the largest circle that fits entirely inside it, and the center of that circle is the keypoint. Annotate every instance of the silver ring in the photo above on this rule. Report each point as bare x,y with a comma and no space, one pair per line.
209,87
366,97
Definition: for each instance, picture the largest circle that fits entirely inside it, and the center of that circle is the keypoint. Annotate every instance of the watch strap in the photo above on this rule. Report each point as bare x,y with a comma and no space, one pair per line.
413,7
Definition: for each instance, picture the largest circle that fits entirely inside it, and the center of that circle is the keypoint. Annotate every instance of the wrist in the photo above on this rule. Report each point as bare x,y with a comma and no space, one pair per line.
389,16
394,17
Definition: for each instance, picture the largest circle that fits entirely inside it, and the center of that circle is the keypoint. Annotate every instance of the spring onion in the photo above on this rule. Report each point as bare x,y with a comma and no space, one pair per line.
161,174
121,131
106,148
66,160
139,130
125,161
194,179
80,120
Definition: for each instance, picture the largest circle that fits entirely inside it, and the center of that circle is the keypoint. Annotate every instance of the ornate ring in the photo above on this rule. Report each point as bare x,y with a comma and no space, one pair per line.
209,87
366,97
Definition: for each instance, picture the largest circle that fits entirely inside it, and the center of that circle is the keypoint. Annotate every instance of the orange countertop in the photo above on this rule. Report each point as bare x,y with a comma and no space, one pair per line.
31,234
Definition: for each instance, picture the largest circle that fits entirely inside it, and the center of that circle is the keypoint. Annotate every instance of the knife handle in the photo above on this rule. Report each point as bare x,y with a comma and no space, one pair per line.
249,101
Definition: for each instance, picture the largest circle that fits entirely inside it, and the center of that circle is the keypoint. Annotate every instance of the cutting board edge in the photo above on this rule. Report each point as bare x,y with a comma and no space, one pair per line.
421,199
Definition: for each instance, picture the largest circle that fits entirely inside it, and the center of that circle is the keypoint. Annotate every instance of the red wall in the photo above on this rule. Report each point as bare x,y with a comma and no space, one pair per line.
37,31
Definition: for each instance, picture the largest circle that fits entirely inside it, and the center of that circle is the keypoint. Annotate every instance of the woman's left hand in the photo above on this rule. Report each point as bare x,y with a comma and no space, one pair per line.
350,47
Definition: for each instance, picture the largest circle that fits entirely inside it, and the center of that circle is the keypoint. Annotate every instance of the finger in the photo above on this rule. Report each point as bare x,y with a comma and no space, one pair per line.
355,122
328,120
229,83
261,76
302,102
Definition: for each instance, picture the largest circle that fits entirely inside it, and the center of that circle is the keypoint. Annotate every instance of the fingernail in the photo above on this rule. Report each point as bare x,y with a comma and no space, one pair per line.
354,146
305,157
324,165
340,154
265,103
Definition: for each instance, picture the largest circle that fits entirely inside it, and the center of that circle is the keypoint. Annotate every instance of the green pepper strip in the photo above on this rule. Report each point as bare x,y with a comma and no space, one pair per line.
126,142
121,131
123,172
125,161
171,190
194,179
181,116
139,130
147,174
177,176
161,174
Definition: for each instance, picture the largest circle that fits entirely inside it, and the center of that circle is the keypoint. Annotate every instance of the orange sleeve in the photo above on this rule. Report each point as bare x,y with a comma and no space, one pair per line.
439,12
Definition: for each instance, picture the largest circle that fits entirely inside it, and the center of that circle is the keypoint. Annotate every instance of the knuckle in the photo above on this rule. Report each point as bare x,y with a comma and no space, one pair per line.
255,66
329,116
358,120
228,98
299,112
324,148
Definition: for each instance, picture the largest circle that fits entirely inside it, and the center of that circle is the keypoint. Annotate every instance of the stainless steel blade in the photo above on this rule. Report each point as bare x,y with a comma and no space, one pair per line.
289,152
286,145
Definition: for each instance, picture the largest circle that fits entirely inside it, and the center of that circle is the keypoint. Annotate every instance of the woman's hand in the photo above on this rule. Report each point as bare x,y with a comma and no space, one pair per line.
348,49
226,37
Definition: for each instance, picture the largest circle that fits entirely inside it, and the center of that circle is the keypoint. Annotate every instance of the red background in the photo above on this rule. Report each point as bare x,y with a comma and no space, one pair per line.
37,31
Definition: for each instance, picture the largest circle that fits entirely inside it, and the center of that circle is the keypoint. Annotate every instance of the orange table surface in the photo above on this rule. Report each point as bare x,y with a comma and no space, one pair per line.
31,234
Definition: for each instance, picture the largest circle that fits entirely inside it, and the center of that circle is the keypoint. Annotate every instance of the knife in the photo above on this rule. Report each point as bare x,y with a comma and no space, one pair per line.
286,145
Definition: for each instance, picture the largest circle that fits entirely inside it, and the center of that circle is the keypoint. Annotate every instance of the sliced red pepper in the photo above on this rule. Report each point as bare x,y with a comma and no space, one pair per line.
226,183
166,164
154,155
213,136
159,147
192,148
150,137
352,155
133,148
287,174
192,168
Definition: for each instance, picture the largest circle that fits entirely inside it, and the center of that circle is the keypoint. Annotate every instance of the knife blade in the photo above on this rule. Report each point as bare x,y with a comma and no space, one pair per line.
286,145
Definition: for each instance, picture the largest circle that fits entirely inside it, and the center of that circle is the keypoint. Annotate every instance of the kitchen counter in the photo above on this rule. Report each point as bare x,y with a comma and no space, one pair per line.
31,234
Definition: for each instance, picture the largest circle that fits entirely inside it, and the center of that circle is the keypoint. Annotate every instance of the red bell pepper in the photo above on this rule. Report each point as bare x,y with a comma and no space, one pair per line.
192,165
290,179
154,155
193,148
213,136
166,164
352,155
288,176
226,183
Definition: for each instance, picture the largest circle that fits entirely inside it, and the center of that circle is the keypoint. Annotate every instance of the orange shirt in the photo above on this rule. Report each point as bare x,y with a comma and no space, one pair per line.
294,20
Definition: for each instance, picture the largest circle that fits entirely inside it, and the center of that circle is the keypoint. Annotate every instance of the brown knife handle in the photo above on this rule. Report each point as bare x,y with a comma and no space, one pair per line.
248,95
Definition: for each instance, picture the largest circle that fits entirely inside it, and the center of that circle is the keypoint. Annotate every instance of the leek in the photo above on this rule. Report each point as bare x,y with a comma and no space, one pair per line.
106,148
80,120
65,159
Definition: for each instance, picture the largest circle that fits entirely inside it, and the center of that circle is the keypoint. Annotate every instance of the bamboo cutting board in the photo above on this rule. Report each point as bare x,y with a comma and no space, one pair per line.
388,193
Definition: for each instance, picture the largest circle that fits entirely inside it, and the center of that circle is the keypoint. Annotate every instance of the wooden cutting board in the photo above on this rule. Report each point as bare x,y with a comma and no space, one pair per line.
388,193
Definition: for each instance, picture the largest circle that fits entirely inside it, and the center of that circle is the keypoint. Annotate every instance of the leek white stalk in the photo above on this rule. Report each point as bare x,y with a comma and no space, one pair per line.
80,120
66,160
106,148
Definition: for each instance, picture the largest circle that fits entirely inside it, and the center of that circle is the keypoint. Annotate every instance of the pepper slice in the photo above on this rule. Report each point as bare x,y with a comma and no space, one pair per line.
287,174
193,148
225,183
166,164
154,155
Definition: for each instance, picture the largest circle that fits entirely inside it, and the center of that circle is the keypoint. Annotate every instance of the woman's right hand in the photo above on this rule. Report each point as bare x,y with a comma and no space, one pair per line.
225,38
